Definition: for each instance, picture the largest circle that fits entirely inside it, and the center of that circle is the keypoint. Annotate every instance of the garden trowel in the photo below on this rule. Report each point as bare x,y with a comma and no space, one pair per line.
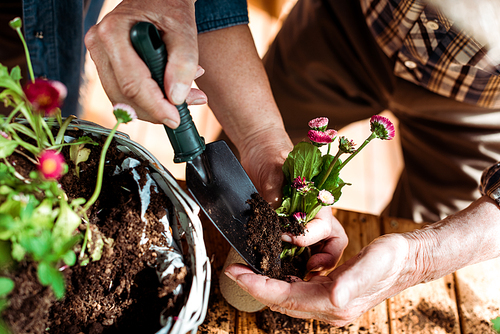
214,176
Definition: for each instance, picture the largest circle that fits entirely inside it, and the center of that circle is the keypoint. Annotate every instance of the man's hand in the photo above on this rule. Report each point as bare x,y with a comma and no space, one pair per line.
124,75
378,272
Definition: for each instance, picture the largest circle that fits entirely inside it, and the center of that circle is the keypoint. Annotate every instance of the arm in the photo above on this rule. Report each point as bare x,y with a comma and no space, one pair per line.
241,99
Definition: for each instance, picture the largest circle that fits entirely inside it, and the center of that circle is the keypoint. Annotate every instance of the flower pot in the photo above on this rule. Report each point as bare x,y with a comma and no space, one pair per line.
181,250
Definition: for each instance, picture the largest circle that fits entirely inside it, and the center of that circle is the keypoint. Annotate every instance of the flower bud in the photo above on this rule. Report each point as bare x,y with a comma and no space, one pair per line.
346,145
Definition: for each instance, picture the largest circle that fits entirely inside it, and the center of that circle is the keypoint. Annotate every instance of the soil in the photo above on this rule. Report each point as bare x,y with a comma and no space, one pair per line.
266,225
117,294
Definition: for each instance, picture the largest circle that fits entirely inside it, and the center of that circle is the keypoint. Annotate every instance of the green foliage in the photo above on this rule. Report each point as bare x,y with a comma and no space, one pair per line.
496,324
304,161
39,223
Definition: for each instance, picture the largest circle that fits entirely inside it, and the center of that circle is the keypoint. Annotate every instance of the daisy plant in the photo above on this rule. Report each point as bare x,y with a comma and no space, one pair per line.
312,180
38,221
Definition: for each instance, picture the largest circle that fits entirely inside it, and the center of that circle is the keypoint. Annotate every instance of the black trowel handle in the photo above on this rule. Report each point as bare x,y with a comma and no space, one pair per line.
185,140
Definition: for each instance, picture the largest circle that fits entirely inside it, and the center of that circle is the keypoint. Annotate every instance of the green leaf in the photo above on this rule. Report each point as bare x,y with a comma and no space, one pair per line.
6,286
7,226
284,209
15,74
333,179
39,245
496,324
67,222
69,258
10,82
18,252
304,161
7,147
48,275
44,215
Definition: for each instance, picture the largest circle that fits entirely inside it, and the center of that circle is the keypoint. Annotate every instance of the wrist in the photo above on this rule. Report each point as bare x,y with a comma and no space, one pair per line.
463,239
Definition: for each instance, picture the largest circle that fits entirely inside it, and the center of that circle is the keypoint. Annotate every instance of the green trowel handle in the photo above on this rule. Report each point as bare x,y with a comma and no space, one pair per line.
185,140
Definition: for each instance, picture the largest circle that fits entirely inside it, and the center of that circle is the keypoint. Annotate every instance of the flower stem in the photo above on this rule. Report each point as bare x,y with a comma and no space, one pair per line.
330,168
369,139
100,172
26,51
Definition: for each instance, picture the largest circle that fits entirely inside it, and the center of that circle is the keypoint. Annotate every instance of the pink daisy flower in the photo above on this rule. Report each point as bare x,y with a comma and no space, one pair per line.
300,217
325,197
382,127
45,96
319,123
51,164
124,112
302,185
320,138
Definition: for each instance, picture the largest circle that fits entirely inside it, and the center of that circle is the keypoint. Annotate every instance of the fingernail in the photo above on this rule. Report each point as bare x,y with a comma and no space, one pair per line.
318,268
342,298
242,286
199,101
229,275
286,238
179,93
170,123
199,72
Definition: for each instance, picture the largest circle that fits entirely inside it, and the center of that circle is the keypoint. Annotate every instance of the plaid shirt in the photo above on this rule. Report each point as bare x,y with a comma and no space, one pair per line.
431,52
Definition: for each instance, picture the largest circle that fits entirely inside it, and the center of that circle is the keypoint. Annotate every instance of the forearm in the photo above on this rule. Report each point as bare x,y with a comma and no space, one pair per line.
238,90
468,237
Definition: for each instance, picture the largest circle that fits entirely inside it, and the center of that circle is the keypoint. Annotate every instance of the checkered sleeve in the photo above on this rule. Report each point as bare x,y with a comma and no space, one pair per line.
490,182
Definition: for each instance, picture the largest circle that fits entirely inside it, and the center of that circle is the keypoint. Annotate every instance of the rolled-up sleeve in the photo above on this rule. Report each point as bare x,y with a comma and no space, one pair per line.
218,14
490,182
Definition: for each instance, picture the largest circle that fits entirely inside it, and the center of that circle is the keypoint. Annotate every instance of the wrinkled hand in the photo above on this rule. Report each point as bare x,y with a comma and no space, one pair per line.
379,271
124,75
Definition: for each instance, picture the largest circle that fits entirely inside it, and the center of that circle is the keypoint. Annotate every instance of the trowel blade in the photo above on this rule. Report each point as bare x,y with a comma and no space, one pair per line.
221,187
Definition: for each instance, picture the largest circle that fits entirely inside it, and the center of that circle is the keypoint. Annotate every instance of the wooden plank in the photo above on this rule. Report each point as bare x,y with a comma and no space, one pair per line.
478,289
361,229
424,308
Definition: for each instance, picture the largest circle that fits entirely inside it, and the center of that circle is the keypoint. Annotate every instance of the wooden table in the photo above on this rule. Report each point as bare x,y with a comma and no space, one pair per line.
463,302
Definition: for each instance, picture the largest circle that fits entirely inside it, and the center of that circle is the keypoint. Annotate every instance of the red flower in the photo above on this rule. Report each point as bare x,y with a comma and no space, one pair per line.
45,96
382,127
300,217
320,138
319,123
51,164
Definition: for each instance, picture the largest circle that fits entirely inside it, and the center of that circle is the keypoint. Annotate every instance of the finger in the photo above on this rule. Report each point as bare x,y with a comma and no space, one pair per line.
296,298
323,226
136,87
196,97
182,48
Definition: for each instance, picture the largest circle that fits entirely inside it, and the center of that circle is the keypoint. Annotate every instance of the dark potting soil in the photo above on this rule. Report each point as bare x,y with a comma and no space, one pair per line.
264,230
119,293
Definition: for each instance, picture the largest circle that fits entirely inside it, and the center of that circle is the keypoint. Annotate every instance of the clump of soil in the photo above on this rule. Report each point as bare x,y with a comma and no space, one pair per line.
264,230
119,293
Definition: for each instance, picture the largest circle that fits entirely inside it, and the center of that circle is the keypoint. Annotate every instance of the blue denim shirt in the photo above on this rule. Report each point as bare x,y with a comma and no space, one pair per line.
55,30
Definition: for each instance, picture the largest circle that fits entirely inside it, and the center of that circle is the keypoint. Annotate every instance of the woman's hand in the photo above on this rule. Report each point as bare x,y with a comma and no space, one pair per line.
124,75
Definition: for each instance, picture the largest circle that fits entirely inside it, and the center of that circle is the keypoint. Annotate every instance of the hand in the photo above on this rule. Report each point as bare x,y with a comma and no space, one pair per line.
379,271
124,75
